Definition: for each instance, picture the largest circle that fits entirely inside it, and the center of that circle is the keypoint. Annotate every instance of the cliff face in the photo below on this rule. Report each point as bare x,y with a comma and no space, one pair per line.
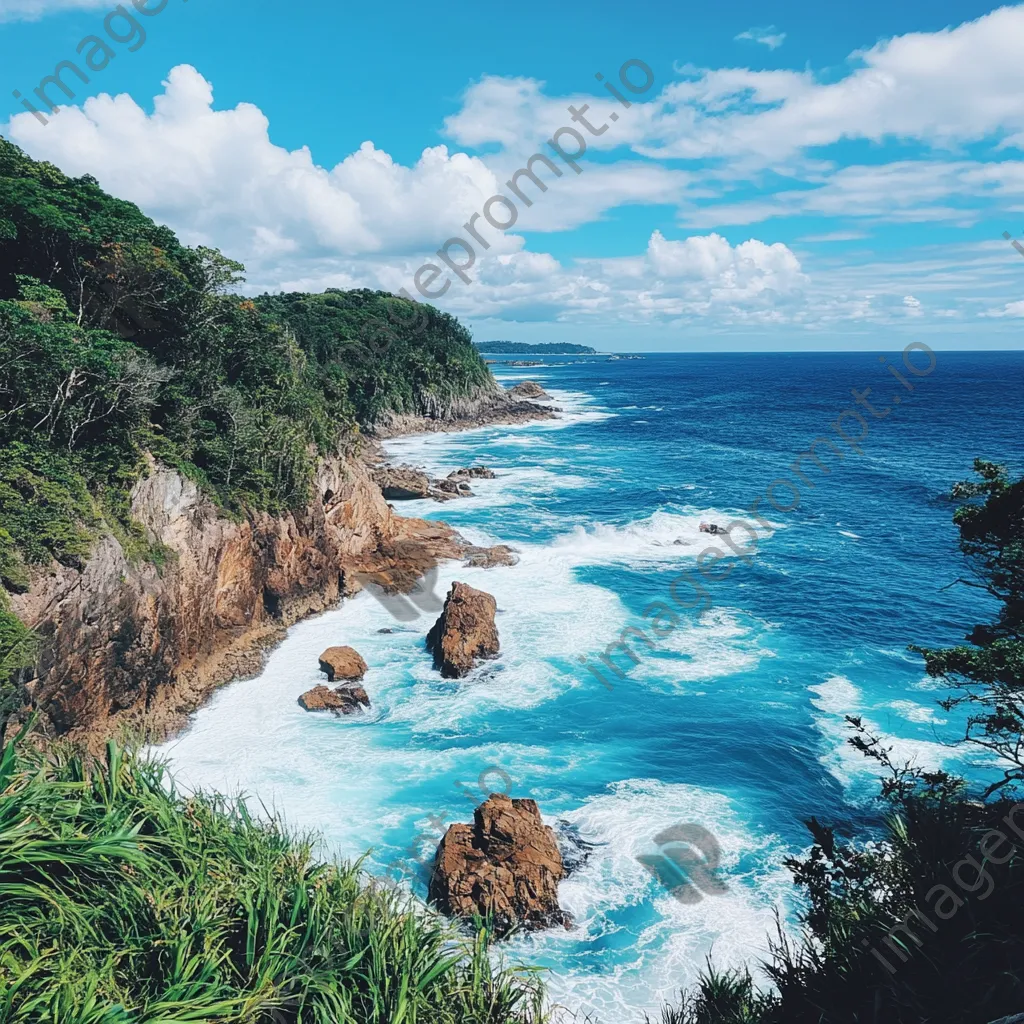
125,645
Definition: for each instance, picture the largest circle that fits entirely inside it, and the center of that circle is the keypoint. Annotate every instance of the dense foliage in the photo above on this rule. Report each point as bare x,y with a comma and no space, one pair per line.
924,923
125,902
541,348
116,341
388,355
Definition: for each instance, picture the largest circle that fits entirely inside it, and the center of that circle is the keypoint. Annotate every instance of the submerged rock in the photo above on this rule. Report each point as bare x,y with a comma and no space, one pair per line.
506,865
342,663
464,632
575,850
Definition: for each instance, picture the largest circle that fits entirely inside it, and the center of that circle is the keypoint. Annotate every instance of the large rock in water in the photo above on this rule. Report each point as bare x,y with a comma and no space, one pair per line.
506,864
464,632
342,663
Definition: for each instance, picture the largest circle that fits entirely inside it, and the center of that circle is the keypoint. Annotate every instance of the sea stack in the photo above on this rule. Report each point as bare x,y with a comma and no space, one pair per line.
505,865
464,632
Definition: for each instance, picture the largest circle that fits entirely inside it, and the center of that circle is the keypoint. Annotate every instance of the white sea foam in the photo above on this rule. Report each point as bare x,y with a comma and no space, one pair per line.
916,712
838,697
664,537
659,943
721,643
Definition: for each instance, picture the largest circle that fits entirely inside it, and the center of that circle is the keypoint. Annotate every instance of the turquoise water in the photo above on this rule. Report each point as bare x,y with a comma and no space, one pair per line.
733,720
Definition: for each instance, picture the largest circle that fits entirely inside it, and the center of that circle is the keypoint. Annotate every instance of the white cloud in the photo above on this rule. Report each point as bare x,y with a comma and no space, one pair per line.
940,89
903,191
1011,309
33,10
770,36
216,177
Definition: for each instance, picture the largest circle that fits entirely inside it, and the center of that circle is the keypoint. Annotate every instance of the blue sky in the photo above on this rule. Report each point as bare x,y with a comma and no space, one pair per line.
797,175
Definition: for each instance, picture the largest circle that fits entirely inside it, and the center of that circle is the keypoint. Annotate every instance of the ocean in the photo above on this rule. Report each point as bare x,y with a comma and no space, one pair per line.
731,722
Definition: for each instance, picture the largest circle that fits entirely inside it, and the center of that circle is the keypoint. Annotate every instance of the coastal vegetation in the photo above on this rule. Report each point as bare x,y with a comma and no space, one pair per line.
118,343
123,901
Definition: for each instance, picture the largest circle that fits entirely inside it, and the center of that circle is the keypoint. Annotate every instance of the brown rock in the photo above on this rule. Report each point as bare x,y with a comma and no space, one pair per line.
474,472
488,558
456,486
321,698
353,696
506,865
402,483
342,663
529,389
464,632
342,701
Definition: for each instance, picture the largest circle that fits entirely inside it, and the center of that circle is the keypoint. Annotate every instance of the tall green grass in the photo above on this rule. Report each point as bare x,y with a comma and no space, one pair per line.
123,901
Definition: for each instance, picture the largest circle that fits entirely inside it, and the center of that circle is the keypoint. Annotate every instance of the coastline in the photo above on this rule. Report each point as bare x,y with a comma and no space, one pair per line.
133,649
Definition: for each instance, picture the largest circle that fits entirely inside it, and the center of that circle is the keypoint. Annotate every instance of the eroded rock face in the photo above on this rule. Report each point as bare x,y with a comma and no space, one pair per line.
506,865
341,701
127,645
342,663
529,389
464,632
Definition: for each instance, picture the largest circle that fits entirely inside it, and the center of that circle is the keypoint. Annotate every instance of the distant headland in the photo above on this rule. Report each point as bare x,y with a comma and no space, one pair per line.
523,348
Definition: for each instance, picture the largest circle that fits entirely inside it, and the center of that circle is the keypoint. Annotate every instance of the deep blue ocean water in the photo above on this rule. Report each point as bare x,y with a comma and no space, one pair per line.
732,721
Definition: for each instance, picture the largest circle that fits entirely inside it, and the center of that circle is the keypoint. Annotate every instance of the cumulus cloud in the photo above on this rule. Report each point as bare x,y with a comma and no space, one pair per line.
689,279
770,36
218,179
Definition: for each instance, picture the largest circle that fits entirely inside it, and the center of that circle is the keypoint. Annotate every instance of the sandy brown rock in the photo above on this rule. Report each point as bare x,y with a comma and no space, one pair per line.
531,390
321,698
506,864
464,632
488,558
342,701
402,483
342,663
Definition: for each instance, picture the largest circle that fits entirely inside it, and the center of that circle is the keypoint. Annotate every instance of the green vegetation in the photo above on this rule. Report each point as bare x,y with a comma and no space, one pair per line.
116,340
923,923
125,902
543,348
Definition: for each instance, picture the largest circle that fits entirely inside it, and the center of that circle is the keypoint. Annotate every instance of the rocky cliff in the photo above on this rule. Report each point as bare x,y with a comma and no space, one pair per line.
129,646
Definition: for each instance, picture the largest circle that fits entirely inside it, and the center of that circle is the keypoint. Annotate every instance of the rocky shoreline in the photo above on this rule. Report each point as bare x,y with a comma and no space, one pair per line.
132,648
493,408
